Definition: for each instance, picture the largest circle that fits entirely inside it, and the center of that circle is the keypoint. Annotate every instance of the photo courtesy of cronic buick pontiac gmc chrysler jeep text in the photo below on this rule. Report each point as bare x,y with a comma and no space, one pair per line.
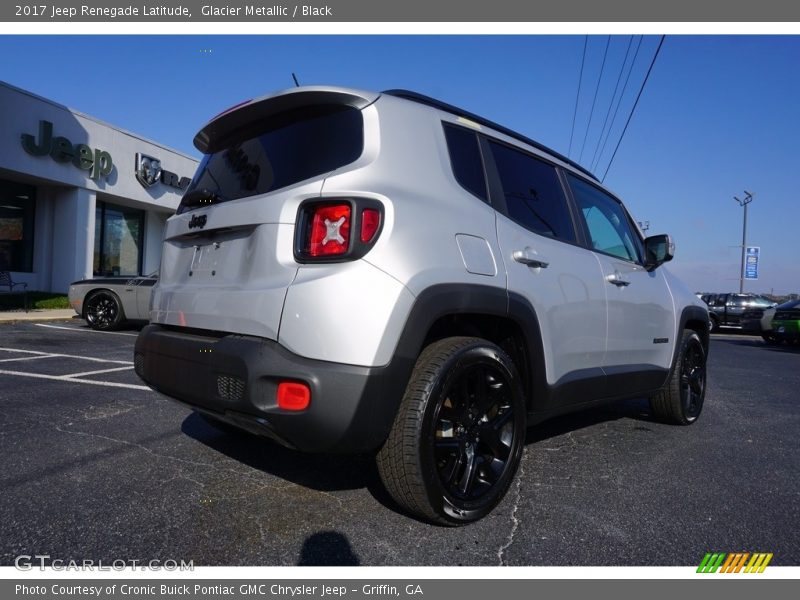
353,271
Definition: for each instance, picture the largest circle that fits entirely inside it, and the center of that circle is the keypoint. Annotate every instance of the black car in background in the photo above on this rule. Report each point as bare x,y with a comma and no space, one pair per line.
734,310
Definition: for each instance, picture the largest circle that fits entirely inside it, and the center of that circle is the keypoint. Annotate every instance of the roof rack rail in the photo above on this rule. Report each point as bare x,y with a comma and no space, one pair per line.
427,100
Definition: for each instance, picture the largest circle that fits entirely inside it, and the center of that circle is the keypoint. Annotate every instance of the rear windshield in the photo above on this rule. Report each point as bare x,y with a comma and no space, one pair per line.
303,144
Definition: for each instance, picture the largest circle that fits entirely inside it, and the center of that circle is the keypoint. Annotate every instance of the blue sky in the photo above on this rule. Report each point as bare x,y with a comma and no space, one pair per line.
720,114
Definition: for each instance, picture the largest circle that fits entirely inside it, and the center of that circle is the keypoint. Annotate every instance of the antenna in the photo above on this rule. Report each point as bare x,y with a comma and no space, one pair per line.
295,80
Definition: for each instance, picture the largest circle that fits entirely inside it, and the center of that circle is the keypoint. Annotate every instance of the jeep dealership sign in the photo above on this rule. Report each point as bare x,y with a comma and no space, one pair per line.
97,162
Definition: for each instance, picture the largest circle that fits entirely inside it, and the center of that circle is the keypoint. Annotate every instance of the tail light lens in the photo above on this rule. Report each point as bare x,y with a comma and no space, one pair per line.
337,230
330,230
370,222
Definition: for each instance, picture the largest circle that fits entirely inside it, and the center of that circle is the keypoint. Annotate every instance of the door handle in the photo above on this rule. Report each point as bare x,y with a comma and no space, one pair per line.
530,258
618,280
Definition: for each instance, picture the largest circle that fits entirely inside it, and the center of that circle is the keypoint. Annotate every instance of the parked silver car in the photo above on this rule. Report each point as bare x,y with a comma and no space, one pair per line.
107,302
353,271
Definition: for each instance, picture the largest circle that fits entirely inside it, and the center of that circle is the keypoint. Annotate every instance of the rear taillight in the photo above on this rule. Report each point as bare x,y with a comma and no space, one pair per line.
337,230
330,230
370,222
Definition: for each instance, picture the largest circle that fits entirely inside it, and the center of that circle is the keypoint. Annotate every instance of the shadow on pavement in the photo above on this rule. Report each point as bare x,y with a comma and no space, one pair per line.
638,410
322,472
327,548
330,472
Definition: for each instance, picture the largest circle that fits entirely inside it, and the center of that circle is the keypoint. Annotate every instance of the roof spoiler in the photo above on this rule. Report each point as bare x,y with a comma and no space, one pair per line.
228,125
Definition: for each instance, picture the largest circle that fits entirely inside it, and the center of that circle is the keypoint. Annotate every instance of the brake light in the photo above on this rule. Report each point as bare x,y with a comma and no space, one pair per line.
370,222
330,230
293,395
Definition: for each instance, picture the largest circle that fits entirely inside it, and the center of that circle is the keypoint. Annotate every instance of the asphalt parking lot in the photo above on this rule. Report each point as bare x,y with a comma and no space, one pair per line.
97,466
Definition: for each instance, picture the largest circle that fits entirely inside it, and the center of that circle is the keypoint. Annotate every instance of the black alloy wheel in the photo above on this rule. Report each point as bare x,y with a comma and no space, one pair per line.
681,399
458,436
693,378
473,436
103,311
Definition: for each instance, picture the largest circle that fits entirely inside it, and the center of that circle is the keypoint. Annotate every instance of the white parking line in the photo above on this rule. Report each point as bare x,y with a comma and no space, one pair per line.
2,360
88,330
71,375
70,379
54,354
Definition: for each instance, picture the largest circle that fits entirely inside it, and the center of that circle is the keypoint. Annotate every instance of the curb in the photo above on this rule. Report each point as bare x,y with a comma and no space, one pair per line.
32,316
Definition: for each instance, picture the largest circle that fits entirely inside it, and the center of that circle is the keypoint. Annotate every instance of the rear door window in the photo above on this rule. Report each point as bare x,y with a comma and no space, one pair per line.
302,144
533,193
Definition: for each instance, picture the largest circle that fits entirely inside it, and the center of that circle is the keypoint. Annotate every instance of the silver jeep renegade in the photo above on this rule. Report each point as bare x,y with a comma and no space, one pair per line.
382,272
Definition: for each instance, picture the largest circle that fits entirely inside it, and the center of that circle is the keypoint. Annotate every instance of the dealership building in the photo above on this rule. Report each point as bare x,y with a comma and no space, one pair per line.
79,197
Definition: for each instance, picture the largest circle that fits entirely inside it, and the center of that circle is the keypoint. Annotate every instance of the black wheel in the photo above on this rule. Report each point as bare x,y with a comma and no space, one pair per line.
771,338
103,311
713,324
681,400
458,436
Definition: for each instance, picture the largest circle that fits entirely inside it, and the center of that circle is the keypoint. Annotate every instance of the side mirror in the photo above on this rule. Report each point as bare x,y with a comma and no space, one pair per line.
658,249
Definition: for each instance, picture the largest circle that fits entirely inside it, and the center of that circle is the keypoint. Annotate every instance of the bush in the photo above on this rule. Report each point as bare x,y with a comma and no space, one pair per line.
44,300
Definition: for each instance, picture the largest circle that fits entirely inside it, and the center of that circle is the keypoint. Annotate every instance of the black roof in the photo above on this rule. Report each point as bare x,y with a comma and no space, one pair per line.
427,100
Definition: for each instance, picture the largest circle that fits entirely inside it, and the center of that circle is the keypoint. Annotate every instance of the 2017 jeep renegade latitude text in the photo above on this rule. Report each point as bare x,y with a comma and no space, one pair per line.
382,272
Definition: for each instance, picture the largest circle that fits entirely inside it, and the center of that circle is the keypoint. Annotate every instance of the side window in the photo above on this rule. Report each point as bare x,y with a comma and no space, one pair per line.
762,302
465,158
606,221
533,193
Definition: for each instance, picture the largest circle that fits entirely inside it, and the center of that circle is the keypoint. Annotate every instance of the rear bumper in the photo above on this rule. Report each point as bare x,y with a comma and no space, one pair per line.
234,378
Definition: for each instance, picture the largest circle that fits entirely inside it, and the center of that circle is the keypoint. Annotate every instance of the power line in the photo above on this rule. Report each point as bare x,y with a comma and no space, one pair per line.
613,97
596,89
630,116
619,102
578,95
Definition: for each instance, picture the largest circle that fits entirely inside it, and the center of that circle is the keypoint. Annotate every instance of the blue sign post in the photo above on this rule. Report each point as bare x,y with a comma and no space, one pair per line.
751,262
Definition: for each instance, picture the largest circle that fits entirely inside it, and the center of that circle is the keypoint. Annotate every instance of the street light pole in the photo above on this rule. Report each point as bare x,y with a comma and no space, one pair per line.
743,202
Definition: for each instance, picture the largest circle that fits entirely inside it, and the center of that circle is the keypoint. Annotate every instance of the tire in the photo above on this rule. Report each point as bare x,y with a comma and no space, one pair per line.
681,400
713,324
771,339
459,433
103,311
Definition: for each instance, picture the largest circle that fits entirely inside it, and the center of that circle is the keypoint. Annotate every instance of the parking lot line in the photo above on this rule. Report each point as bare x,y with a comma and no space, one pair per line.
54,354
21,351
2,360
87,330
71,379
85,373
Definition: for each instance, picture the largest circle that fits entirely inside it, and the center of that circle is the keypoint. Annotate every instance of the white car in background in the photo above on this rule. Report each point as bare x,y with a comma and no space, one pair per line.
107,302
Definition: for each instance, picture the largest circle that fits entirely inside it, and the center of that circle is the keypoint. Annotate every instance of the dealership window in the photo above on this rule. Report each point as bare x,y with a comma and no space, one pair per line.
118,236
17,202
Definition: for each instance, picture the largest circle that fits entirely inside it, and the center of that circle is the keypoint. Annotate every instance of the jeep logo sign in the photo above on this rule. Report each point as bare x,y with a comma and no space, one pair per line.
97,162
148,172
197,221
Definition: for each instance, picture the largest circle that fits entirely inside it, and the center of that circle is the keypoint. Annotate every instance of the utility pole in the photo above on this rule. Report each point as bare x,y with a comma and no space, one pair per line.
748,198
